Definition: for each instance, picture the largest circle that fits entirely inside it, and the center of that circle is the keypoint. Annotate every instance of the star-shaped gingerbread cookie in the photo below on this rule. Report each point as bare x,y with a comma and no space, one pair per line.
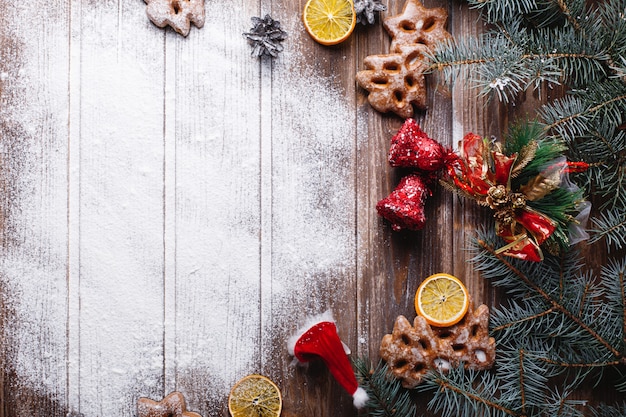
396,81
171,406
417,24
179,14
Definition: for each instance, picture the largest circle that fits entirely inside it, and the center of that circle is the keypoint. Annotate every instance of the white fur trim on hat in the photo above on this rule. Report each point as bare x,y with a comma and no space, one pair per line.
360,398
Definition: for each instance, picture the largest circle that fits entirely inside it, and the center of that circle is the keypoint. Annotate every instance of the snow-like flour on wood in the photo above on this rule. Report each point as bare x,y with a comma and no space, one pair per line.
104,195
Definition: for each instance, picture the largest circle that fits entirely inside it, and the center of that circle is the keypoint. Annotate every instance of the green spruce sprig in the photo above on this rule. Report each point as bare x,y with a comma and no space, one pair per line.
539,13
605,410
387,397
610,225
577,45
555,306
464,392
511,58
562,325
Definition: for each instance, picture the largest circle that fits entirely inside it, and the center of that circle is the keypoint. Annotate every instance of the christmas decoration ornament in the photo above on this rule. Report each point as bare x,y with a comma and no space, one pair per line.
179,14
412,148
171,406
524,212
366,10
411,351
318,339
266,36
404,207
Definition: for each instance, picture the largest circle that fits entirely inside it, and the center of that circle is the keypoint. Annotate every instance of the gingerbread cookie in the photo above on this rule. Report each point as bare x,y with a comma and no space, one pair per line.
179,14
410,351
417,24
396,81
171,406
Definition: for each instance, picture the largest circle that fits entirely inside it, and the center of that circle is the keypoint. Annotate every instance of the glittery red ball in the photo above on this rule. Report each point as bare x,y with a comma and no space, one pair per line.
412,148
404,207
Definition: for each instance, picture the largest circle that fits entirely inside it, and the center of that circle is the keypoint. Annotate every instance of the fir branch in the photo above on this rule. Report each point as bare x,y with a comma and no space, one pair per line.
567,10
462,392
512,271
613,276
387,396
495,11
494,64
515,318
523,380
613,28
572,115
605,410
523,391
537,12
610,225
513,58
594,364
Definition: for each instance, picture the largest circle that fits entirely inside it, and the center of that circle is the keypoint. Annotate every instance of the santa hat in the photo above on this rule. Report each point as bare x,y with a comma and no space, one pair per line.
318,339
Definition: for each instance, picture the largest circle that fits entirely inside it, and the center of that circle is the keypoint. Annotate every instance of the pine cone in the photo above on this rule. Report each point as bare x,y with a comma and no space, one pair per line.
266,36
365,10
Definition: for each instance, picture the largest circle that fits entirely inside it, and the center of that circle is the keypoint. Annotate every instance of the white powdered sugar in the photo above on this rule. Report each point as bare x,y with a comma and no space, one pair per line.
161,224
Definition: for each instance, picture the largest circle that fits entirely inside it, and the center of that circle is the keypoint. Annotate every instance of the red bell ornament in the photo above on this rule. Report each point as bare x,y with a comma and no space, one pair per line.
412,148
404,207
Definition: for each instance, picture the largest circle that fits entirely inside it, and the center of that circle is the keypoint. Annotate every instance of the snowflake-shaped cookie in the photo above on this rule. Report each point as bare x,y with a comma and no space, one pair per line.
396,81
171,406
410,351
417,24
179,14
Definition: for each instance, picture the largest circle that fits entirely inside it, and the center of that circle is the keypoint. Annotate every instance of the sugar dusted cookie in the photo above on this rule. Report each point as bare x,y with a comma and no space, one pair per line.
411,350
417,24
396,81
179,14
171,406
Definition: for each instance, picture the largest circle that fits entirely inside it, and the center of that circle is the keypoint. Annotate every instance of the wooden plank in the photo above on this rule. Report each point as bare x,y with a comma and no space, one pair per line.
33,130
218,210
120,212
372,184
73,211
470,113
313,207
398,261
173,208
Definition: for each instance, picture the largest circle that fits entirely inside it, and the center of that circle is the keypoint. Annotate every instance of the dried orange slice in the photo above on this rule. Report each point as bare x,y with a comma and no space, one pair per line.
255,396
329,22
442,300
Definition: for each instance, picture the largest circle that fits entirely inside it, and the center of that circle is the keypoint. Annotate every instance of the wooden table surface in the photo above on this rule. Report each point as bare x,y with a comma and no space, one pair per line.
173,208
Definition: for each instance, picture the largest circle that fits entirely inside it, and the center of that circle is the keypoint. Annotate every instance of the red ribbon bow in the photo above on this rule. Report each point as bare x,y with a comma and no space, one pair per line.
484,173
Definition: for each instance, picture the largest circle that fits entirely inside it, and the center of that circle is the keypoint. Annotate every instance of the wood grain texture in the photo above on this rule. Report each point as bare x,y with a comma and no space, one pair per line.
33,132
120,215
172,209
